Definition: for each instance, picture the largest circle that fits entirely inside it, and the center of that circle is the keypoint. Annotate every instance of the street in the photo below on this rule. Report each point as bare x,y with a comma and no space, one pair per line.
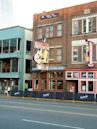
31,114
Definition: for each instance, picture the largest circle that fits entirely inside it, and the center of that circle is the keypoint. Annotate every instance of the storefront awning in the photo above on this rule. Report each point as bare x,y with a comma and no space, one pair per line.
50,68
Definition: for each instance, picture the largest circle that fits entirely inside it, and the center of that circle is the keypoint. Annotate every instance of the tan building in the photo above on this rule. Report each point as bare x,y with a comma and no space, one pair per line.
71,34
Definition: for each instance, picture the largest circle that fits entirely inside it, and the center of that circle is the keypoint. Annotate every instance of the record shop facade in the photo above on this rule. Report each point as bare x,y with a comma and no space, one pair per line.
71,36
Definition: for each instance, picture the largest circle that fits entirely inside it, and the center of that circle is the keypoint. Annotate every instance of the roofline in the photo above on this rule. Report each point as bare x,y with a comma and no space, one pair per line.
4,28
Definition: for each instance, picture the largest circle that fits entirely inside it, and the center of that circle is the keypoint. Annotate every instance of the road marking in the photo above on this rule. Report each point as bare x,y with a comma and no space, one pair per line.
52,124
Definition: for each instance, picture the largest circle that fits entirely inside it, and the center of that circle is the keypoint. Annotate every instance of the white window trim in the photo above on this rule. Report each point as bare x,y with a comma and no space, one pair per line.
73,27
87,25
73,56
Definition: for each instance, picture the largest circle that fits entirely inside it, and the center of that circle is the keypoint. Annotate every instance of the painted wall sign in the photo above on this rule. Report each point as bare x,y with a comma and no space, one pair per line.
53,15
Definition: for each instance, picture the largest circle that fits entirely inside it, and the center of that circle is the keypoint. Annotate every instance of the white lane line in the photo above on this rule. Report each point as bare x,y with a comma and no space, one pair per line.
52,124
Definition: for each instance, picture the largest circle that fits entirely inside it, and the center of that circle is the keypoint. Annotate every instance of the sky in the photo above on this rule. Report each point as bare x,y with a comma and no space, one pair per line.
24,9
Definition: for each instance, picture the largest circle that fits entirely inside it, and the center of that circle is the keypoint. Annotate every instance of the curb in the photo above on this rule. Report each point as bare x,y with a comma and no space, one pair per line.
45,99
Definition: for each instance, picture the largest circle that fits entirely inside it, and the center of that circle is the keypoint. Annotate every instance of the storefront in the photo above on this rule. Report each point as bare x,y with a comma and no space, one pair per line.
51,80
82,81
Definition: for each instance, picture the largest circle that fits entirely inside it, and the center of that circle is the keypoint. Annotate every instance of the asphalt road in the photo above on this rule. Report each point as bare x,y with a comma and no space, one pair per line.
31,114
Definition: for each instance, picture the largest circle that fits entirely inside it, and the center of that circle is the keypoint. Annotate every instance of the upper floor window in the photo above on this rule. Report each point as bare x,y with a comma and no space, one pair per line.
49,31
59,54
1,46
75,27
74,54
14,63
84,53
28,46
39,32
5,46
59,29
55,55
28,66
13,45
87,25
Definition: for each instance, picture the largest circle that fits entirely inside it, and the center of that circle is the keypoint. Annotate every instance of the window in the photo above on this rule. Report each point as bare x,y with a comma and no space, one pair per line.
90,86
59,84
13,44
83,86
83,74
39,32
59,74
59,29
84,53
74,27
14,65
6,65
52,85
0,46
49,31
28,66
0,66
52,74
51,55
69,74
5,46
75,55
87,25
19,41
75,74
59,54
28,46
90,75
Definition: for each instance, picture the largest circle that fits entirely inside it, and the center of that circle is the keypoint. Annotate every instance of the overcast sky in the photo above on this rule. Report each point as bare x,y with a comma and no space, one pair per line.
24,9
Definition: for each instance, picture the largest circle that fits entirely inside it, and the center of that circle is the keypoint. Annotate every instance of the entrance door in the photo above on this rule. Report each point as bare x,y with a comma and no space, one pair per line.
72,86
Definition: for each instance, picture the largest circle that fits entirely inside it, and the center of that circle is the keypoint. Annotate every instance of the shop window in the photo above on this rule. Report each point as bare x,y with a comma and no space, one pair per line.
90,86
52,85
52,74
75,74
28,84
59,84
83,74
83,86
69,74
90,75
59,74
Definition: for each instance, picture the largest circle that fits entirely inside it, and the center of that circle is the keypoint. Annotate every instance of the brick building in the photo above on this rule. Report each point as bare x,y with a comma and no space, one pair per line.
71,34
